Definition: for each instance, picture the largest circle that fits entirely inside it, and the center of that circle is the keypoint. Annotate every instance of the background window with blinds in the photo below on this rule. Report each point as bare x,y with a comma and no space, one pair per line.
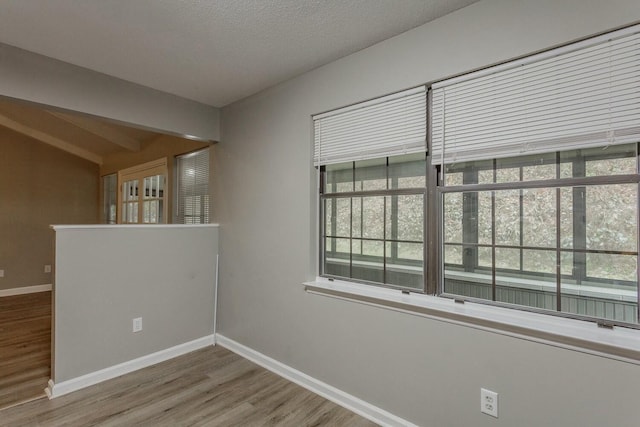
192,188
109,198
371,158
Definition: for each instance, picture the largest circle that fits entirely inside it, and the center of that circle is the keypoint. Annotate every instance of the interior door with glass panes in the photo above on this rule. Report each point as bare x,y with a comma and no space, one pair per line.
142,195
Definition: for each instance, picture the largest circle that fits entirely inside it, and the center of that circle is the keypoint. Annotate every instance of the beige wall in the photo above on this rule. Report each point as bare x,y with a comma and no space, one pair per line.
163,146
39,185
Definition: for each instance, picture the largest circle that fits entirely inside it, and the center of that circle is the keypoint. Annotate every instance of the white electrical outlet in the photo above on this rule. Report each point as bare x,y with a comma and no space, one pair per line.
47,268
489,402
1,273
137,324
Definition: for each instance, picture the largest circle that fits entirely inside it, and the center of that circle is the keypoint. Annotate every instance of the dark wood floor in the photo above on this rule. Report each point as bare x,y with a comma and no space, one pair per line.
25,347
209,387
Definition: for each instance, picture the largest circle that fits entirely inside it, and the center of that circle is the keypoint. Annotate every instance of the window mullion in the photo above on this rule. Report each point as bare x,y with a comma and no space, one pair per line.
579,223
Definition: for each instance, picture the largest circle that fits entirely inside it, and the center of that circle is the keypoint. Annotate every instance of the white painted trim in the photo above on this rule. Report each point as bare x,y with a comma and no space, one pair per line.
56,390
117,226
346,400
215,307
25,290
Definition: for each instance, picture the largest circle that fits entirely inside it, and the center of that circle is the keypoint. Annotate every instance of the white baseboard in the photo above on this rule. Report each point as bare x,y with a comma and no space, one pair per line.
354,404
25,290
56,390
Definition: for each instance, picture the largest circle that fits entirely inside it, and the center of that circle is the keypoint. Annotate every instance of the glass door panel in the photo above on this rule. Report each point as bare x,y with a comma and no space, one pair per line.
130,202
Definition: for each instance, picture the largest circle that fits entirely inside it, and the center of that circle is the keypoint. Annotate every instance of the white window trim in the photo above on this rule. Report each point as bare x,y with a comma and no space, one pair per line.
619,343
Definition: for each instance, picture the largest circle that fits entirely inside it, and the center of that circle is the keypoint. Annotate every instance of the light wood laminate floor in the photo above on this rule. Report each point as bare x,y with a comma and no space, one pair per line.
209,387
25,347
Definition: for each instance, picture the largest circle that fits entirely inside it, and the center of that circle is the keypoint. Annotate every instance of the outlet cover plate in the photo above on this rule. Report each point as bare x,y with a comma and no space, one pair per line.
489,402
137,324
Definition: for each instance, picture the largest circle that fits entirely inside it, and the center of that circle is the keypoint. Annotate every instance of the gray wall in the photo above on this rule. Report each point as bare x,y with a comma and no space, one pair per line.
426,371
105,277
35,78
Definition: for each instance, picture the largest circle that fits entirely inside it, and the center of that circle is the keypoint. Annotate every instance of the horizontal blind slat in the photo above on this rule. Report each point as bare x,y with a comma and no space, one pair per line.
395,125
590,95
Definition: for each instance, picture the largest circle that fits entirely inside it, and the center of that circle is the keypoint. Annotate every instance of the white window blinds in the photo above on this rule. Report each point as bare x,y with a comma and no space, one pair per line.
394,124
192,188
582,95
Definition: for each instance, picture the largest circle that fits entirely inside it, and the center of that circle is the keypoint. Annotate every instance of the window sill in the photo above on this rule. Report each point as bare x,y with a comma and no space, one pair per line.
618,343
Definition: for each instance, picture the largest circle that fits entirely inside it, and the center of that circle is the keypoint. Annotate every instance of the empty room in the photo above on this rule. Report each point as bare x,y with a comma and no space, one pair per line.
340,213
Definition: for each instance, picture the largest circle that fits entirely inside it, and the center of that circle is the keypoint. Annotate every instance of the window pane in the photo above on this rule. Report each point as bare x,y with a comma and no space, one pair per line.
402,271
329,215
337,246
474,286
370,265
411,251
612,266
596,299
539,172
521,290
485,257
566,170
538,217
534,167
452,254
343,217
372,216
485,176
566,264
371,174
453,178
508,258
507,217
410,217
485,228
611,212
408,171
566,217
478,172
452,217
373,248
611,160
539,261
339,177
508,175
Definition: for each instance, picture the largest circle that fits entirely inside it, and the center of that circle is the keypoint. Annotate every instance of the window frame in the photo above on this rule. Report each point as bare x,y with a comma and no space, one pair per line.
323,196
558,182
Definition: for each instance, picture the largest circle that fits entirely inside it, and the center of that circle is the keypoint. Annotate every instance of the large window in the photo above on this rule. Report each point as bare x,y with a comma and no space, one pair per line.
373,220
536,201
538,163
371,160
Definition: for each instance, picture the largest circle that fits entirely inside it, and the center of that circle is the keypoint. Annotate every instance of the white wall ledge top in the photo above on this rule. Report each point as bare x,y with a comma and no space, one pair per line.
120,226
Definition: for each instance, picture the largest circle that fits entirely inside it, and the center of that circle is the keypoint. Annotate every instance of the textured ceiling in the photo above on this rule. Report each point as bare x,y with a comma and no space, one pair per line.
212,51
